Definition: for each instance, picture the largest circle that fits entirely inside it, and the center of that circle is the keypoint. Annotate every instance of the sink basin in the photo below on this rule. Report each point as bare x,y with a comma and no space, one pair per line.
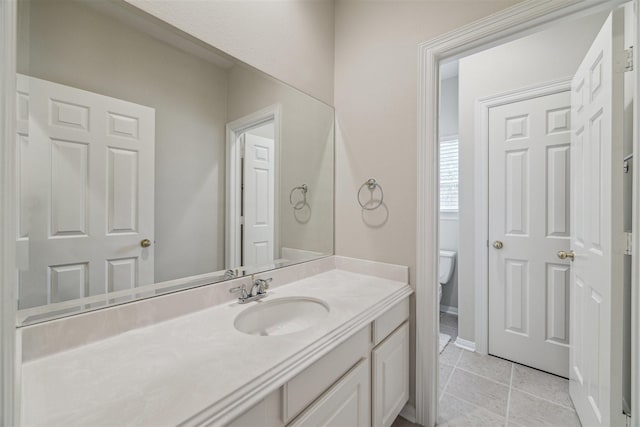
281,316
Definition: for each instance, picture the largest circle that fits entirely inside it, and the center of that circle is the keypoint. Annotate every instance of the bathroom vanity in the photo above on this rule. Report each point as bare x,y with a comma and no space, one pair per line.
348,364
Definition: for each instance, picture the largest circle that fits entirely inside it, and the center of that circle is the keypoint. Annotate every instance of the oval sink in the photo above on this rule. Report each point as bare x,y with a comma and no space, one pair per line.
281,316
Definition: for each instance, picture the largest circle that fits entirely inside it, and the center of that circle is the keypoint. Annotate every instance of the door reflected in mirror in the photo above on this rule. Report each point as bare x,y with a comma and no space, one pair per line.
150,162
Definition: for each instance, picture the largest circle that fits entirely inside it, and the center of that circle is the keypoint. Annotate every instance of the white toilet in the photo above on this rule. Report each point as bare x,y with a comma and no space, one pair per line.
445,269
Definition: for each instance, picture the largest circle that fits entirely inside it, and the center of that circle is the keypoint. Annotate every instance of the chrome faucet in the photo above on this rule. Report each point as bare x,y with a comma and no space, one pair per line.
260,287
257,292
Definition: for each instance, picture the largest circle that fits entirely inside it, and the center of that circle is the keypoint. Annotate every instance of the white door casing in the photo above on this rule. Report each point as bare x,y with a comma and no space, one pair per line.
597,236
85,193
529,155
234,178
259,200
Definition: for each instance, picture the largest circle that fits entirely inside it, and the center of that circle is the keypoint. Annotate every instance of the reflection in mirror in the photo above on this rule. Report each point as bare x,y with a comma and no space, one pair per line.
148,161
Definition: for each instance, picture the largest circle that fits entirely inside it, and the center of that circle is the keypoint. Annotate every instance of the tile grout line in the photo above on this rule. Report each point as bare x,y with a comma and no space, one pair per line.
475,405
459,357
506,418
453,369
468,371
543,399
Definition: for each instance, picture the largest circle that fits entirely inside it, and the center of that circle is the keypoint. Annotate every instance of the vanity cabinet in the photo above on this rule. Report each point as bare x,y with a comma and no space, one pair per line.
346,403
264,414
310,384
390,377
362,382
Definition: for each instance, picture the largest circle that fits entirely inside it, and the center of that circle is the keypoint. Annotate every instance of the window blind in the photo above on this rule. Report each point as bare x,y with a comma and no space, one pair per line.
449,175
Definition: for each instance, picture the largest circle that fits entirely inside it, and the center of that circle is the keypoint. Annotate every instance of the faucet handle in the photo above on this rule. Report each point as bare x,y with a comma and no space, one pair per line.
263,284
242,289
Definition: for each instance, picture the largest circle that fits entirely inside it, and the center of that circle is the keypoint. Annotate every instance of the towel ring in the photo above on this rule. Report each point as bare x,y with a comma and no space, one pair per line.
371,184
303,189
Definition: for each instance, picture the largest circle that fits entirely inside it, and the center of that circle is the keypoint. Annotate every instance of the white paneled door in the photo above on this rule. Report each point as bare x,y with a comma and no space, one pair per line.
529,222
597,237
85,193
259,200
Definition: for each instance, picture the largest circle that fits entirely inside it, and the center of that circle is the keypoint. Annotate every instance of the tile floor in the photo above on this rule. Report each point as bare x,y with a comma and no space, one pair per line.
449,325
480,390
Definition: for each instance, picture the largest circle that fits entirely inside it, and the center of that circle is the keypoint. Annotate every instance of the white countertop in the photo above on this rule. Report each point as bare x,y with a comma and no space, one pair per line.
197,366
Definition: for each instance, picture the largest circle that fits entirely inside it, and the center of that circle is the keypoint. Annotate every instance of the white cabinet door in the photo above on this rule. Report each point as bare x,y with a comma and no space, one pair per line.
529,156
86,193
347,403
391,377
597,230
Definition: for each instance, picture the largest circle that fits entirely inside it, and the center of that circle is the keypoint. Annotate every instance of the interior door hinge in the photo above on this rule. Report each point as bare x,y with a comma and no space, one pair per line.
629,243
629,62
627,415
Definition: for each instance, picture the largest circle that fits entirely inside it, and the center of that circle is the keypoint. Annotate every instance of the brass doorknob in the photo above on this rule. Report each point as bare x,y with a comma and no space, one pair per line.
566,254
498,244
145,243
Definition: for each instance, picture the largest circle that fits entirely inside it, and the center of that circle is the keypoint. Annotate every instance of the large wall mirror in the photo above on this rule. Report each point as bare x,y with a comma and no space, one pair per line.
149,162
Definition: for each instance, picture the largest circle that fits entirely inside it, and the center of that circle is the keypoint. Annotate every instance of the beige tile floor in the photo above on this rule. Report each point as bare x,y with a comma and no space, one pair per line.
480,391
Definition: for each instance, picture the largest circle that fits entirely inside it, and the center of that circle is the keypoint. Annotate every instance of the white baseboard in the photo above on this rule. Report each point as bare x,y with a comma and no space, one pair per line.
466,345
409,413
449,310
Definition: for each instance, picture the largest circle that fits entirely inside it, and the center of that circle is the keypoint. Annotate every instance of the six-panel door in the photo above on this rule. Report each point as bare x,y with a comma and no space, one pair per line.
529,152
597,236
259,200
85,193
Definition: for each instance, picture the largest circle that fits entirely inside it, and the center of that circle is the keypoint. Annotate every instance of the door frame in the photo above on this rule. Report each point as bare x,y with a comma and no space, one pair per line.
234,129
8,366
635,227
508,24
481,205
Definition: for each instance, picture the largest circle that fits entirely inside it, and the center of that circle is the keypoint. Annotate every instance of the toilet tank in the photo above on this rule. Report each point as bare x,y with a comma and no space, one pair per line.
445,266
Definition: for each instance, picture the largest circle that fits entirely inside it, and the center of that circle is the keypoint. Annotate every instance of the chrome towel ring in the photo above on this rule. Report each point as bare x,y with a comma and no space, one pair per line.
302,203
371,184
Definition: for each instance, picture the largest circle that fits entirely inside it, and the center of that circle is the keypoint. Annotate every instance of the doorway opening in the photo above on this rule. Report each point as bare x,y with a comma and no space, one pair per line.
521,204
252,187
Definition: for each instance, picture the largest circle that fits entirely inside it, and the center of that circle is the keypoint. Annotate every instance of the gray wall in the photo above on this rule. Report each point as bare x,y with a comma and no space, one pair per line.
448,119
449,222
541,57
79,47
376,100
306,155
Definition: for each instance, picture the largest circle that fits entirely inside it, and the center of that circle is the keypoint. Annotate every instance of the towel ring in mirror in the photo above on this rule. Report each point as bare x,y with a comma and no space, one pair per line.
299,205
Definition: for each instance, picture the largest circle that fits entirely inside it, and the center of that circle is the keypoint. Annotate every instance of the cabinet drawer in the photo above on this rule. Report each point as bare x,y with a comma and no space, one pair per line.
390,381
390,320
347,403
313,381
264,414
